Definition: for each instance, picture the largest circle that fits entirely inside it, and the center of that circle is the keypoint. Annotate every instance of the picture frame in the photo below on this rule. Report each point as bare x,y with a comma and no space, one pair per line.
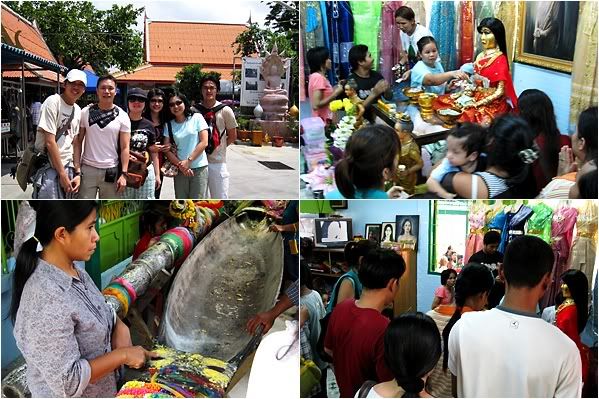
338,204
373,232
546,34
387,236
406,235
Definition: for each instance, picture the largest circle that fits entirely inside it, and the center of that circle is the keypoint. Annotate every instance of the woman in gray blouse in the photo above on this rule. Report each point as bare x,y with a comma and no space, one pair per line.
71,339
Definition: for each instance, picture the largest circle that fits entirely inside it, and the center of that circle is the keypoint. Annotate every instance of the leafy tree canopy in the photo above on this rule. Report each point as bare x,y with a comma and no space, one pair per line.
78,33
188,81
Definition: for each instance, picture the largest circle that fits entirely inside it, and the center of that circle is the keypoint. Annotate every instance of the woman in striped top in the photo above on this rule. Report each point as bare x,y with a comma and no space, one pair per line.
508,174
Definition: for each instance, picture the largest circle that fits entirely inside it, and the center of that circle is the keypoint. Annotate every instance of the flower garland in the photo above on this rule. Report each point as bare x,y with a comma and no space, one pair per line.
184,210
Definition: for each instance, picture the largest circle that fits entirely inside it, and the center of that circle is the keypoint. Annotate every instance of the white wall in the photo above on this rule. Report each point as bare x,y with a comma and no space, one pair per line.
363,212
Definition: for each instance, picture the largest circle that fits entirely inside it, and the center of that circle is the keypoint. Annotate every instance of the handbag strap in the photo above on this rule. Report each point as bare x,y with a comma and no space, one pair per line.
60,132
365,388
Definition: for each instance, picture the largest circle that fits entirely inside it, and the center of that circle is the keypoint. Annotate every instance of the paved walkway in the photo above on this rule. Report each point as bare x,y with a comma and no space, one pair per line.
249,179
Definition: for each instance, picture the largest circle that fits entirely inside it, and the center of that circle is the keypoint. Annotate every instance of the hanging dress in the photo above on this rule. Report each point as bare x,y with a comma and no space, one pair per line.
390,40
466,34
584,247
562,225
516,225
443,28
367,25
476,220
482,10
505,232
539,224
341,36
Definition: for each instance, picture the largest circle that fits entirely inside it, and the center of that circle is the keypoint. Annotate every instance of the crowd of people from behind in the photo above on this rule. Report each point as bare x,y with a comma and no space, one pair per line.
483,336
102,151
508,146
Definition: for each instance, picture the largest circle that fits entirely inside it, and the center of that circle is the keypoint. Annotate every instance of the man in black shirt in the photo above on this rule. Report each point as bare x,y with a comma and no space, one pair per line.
489,256
371,84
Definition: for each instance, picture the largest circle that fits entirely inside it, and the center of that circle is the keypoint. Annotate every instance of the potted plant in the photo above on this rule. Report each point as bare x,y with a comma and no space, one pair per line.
243,133
257,134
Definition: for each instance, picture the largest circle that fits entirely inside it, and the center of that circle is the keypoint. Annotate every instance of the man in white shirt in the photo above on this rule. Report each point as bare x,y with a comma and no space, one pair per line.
222,118
509,351
106,129
410,32
57,127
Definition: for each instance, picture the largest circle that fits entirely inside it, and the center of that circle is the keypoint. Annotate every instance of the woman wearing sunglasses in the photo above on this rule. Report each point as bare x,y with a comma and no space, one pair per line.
155,112
142,144
190,134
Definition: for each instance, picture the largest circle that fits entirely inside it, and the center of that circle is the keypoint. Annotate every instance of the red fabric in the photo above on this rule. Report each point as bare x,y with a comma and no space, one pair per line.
355,335
499,71
142,245
537,169
566,320
467,34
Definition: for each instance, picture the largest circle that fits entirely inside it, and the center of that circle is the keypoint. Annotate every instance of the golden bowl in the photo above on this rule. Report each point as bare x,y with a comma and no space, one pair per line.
412,93
425,100
449,116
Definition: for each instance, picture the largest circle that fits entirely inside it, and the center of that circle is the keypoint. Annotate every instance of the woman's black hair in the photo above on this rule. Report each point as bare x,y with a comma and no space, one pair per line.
354,250
385,231
305,274
148,220
187,113
473,134
537,109
509,135
472,280
317,58
412,349
368,152
50,215
405,12
587,130
496,27
156,92
587,185
445,274
578,284
424,41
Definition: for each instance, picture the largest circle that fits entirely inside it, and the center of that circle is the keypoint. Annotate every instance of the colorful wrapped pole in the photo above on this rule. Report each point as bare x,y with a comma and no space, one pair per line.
170,251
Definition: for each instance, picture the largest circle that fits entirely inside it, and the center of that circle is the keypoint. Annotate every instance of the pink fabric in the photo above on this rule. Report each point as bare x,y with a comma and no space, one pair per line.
319,82
390,40
443,293
562,227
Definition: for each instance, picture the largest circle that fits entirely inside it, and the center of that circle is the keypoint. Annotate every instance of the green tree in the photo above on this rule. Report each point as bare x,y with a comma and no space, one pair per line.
282,28
77,33
188,80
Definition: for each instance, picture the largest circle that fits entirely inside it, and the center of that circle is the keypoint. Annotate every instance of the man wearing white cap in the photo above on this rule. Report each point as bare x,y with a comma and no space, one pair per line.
58,126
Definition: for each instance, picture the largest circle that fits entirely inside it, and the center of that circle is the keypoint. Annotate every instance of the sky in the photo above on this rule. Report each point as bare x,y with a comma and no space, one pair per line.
227,11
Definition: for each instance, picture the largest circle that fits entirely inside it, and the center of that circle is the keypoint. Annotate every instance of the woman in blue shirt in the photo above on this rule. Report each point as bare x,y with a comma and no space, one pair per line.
371,157
190,133
428,72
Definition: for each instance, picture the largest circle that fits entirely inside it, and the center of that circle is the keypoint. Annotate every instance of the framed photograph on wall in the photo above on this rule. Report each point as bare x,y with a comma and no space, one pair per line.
407,230
373,232
338,204
387,232
547,34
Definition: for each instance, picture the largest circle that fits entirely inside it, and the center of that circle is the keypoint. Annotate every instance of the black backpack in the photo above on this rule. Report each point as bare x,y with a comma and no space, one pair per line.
214,136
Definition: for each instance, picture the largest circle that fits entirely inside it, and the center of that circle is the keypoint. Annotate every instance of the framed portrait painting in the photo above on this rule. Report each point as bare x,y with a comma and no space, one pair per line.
407,230
387,233
547,34
373,232
338,204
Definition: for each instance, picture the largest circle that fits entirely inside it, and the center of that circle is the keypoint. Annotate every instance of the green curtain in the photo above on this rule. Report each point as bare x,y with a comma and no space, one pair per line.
367,25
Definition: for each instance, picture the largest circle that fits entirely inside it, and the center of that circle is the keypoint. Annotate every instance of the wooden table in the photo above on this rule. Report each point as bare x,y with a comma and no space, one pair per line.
425,132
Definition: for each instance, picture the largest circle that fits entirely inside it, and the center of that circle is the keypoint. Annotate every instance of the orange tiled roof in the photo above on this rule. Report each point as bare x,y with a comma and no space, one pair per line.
20,33
164,73
35,74
191,42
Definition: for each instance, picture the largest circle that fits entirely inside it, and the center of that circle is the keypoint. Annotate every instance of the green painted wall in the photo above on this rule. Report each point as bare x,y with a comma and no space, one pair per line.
315,206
